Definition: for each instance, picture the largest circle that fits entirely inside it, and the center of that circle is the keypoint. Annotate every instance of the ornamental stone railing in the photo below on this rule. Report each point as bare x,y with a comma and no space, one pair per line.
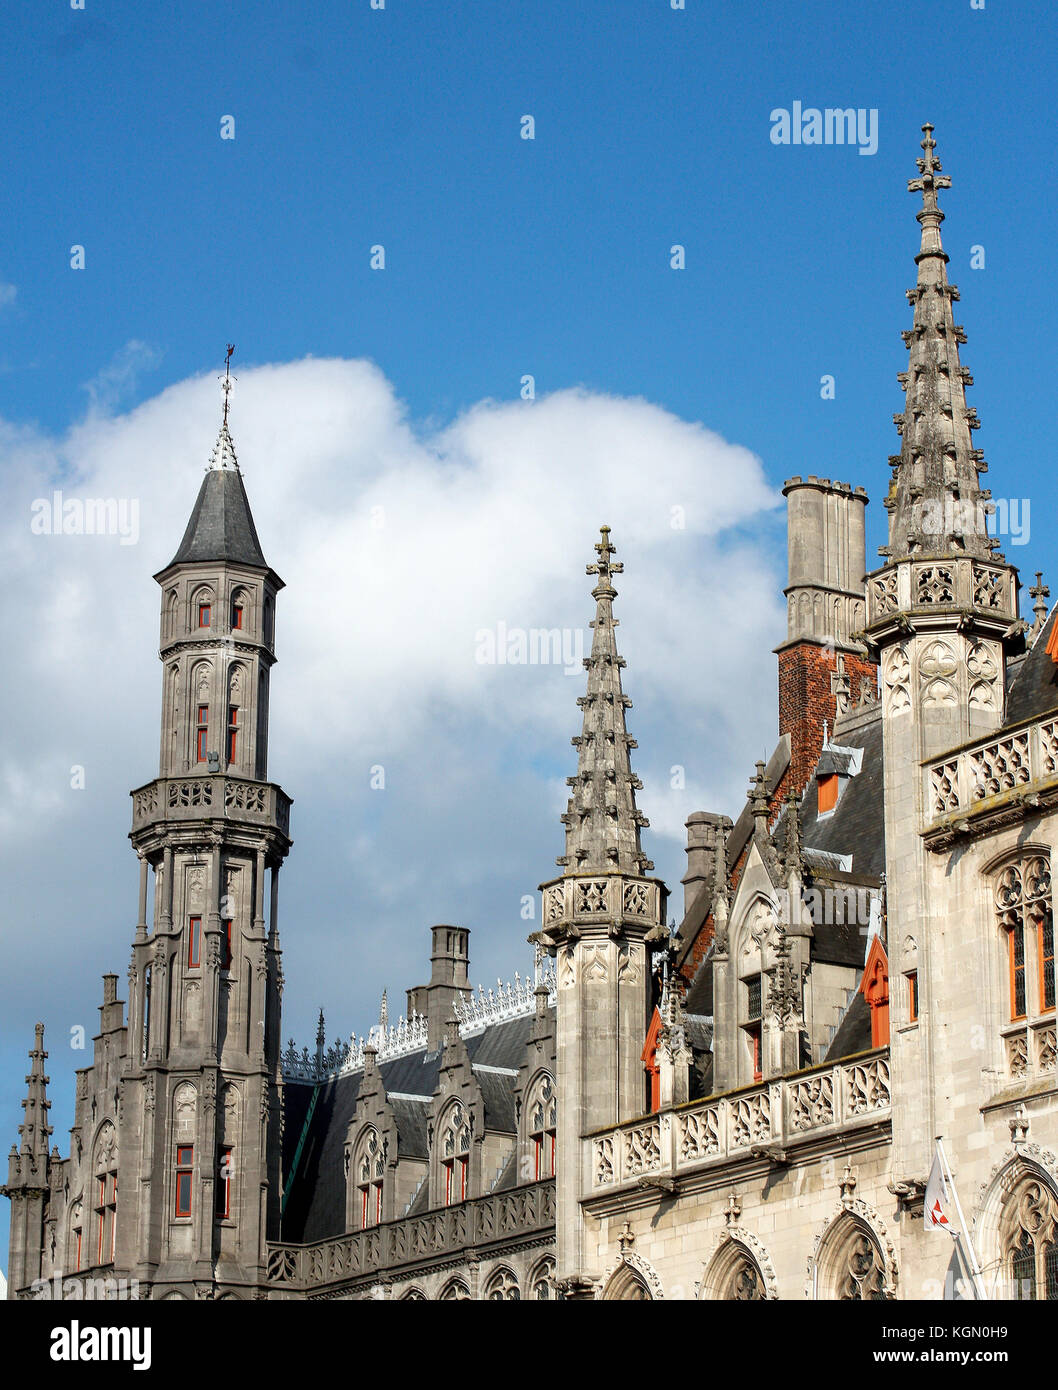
208,796
777,1113
478,1011
414,1241
588,898
962,583
1016,760
1031,1049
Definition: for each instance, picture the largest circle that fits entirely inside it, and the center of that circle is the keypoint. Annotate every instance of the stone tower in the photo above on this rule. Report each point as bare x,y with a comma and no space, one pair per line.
29,1177
943,616
822,664
600,919
205,978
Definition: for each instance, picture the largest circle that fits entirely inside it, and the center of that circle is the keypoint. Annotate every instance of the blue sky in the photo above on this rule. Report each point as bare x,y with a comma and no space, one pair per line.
504,257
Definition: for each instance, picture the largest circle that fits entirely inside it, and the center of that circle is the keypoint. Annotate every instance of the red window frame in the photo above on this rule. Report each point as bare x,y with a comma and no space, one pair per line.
827,790
194,942
370,1210
233,730
544,1154
185,1157
106,1218
205,614
912,995
101,1211
236,617
753,1035
449,1167
223,1184
225,946
202,736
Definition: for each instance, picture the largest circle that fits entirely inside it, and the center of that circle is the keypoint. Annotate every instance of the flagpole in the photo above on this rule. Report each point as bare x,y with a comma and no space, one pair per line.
964,1234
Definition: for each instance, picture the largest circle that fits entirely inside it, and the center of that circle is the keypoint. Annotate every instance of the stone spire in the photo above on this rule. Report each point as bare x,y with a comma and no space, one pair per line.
936,504
601,818
221,525
34,1128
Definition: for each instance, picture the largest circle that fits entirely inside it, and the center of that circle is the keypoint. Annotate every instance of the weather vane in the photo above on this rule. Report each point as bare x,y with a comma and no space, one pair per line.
227,381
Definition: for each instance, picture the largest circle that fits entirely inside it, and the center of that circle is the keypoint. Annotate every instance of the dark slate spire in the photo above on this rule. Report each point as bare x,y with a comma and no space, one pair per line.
601,819
936,505
221,525
34,1128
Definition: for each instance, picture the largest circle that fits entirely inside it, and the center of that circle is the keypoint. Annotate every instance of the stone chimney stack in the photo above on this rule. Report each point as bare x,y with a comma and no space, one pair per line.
707,835
825,598
449,981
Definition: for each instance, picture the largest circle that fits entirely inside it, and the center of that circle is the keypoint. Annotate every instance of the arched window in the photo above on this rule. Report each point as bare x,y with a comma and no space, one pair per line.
369,1170
859,1270
77,1234
240,611
455,1155
1023,911
744,1283
541,1280
415,1295
202,608
542,1112
1030,1242
106,1203
455,1291
627,1285
503,1287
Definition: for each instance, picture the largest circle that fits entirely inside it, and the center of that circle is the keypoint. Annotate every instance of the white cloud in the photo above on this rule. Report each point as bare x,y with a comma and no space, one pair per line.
8,293
491,519
116,381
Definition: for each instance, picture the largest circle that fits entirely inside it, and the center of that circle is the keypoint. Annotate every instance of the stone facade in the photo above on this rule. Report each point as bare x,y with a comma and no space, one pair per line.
743,1108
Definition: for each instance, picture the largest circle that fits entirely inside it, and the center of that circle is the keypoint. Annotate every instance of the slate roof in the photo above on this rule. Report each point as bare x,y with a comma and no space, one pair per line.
316,1206
498,1095
856,826
221,525
1034,689
854,1030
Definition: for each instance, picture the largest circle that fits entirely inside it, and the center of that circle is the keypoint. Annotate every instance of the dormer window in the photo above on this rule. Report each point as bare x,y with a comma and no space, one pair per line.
828,792
205,611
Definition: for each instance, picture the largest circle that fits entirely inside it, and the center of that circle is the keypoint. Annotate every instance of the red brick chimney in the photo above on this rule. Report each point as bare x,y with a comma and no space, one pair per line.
820,660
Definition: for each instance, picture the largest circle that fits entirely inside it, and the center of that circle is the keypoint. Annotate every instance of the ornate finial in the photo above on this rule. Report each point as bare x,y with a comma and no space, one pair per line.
604,567
320,1039
1019,1126
793,849
847,1185
733,1210
758,791
627,1238
929,167
930,215
226,382
383,1013
1041,593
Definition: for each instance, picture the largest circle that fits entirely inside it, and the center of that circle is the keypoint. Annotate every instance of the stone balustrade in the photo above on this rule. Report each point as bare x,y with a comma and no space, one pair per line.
772,1115
414,1242
1018,760
210,795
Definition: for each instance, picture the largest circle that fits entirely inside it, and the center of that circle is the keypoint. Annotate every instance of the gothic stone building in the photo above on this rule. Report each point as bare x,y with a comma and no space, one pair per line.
744,1107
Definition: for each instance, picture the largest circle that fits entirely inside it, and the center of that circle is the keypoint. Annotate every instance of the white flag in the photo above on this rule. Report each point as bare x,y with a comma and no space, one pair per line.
938,1204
